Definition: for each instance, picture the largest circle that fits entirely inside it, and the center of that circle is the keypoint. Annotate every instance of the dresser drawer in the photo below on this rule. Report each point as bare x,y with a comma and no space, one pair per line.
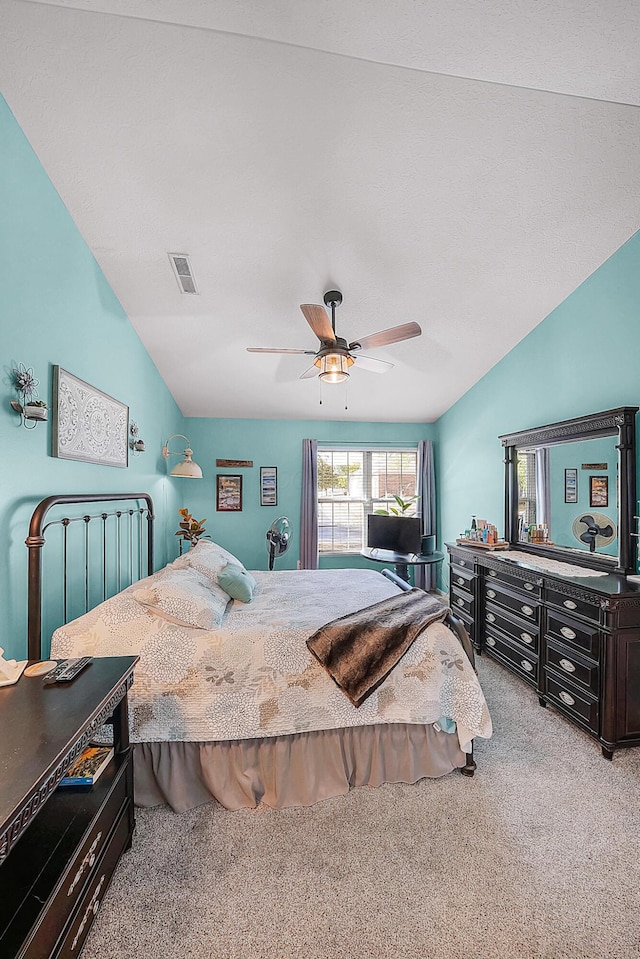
92,899
462,560
461,601
584,672
467,622
526,634
579,635
527,608
572,605
461,577
578,704
528,586
522,661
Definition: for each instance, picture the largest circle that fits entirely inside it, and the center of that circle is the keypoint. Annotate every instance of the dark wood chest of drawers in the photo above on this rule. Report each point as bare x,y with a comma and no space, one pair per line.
575,640
60,846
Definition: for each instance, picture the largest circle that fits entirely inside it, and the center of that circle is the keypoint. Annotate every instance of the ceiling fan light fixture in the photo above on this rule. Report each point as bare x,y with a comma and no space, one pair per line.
334,367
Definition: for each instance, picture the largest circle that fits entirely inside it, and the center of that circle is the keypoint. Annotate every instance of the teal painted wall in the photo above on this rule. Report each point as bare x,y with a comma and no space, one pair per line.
584,357
56,307
271,443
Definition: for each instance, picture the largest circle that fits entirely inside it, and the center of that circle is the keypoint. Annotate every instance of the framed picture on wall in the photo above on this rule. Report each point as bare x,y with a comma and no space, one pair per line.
228,493
571,486
598,491
88,425
268,486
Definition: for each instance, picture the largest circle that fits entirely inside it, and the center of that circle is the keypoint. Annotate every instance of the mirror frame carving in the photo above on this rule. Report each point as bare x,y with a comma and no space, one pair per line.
621,421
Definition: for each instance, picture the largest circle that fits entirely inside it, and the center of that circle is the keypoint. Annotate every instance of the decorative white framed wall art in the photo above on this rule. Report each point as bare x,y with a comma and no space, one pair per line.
88,425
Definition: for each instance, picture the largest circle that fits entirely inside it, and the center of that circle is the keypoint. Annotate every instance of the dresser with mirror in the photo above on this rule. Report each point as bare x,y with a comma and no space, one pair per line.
560,608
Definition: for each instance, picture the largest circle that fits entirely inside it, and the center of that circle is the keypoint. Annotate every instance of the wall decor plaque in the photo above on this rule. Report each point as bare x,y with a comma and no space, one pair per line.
235,464
88,425
595,466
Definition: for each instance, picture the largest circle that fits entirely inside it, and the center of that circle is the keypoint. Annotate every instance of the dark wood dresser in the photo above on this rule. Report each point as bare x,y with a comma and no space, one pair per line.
59,846
576,641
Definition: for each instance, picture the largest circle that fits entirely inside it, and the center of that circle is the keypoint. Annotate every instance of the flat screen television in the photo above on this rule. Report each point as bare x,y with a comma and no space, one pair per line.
402,534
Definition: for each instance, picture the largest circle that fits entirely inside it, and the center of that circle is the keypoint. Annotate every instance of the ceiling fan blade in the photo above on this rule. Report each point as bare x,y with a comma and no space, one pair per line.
318,320
394,335
312,371
262,349
371,364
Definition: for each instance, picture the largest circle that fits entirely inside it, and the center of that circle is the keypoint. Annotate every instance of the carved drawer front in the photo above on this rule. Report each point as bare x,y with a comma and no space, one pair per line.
92,899
467,621
524,633
461,577
462,561
584,672
529,587
572,604
461,601
518,659
579,635
577,703
526,607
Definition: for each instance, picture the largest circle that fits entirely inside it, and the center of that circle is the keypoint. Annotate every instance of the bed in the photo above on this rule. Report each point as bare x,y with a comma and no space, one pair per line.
228,703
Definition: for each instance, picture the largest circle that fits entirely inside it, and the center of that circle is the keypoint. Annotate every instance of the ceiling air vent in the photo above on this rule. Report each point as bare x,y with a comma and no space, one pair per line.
182,270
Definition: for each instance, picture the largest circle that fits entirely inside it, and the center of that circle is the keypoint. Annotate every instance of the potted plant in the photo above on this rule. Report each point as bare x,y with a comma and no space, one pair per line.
191,530
35,410
402,508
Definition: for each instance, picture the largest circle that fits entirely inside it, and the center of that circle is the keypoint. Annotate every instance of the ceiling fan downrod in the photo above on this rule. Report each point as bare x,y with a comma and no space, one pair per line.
333,298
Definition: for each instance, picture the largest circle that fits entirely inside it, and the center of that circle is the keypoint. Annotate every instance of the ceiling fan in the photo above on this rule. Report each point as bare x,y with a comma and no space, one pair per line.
335,356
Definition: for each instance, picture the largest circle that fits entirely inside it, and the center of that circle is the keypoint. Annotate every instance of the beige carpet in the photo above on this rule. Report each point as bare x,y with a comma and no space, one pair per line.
537,857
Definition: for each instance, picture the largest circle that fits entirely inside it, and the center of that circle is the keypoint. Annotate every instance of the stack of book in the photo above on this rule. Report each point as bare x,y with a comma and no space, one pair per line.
89,766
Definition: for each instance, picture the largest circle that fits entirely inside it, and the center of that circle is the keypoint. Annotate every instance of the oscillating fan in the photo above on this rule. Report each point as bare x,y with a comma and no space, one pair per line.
594,530
278,538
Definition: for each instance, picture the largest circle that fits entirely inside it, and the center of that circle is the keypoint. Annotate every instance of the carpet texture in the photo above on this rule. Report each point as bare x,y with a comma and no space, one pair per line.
537,857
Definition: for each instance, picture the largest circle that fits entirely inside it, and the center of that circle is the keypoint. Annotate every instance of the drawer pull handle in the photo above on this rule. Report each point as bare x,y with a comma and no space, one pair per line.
528,586
527,610
460,580
492,573
526,665
491,593
460,601
569,603
490,641
92,909
567,665
526,638
491,618
566,698
567,632
463,562
88,860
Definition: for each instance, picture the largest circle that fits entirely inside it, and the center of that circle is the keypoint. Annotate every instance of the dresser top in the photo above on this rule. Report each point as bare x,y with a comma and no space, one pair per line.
608,584
41,723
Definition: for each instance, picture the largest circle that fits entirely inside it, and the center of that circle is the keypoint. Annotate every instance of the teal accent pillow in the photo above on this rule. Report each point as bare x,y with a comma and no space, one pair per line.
237,582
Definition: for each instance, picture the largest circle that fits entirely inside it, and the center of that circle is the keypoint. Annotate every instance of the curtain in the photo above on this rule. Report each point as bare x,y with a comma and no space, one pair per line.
543,486
425,576
309,511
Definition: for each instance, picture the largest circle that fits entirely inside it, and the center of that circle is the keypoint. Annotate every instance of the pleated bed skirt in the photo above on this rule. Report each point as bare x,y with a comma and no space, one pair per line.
296,770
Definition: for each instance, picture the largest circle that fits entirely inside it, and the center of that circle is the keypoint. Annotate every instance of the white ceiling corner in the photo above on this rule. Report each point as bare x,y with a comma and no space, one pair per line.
462,165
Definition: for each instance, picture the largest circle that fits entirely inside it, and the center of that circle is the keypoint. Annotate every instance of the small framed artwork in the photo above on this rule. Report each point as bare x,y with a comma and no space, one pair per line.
268,486
88,425
598,491
571,486
228,493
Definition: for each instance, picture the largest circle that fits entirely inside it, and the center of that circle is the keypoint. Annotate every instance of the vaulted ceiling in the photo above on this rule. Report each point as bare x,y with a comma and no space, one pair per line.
463,165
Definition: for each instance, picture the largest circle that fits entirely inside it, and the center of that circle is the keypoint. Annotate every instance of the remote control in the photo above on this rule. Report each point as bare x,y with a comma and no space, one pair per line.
67,670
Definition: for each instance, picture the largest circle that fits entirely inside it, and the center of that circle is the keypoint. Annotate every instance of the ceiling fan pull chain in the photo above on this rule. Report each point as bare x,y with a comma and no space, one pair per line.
320,382
346,395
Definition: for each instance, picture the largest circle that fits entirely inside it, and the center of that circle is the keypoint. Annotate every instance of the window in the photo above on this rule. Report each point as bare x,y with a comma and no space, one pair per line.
526,487
355,482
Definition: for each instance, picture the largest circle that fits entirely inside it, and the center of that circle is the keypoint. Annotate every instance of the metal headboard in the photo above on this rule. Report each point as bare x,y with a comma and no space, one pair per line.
124,545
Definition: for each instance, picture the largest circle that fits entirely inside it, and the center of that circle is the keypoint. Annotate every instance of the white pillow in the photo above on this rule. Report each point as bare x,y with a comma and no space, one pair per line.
207,558
184,596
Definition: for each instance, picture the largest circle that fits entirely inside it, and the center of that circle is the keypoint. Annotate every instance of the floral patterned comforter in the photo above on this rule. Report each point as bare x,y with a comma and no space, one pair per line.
254,676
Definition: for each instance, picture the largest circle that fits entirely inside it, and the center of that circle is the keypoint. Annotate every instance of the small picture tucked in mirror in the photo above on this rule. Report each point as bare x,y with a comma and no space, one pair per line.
571,486
598,491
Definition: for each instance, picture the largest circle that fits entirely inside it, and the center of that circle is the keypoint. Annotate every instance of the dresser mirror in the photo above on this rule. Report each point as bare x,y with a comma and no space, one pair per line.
570,490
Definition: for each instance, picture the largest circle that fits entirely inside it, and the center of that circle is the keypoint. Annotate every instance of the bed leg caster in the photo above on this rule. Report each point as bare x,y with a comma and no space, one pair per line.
470,767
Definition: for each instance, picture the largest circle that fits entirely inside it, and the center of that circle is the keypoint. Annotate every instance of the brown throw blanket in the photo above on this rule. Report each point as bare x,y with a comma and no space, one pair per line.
360,650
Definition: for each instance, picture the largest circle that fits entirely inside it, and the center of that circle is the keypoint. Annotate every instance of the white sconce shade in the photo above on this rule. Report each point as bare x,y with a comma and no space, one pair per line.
186,467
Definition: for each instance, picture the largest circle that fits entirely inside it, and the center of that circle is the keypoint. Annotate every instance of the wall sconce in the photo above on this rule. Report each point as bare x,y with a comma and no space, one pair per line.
135,444
29,409
186,467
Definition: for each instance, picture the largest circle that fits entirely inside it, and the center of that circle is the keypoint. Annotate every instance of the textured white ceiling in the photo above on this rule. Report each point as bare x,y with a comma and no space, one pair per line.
293,164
